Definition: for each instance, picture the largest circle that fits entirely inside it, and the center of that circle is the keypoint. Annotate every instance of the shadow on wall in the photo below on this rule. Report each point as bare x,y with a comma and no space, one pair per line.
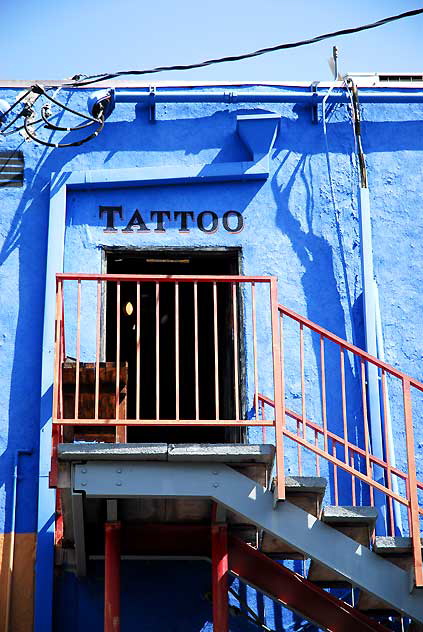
28,235
324,306
159,595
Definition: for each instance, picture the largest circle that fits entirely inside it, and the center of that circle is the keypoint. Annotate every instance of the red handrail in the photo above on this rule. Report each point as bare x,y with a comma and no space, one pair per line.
349,347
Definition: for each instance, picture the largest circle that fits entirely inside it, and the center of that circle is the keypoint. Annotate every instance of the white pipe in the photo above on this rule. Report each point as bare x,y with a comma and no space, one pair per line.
388,420
369,299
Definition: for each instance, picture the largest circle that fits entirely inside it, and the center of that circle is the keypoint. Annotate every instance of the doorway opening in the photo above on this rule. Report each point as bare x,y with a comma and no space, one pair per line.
162,323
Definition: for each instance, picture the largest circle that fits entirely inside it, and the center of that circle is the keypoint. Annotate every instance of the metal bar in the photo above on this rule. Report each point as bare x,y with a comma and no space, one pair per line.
138,351
282,360
353,494
412,482
366,428
387,453
164,278
255,368
316,443
323,378
164,422
78,349
157,351
236,354
97,353
112,577
299,456
117,350
340,440
57,350
219,551
263,430
295,592
277,387
349,347
346,467
344,401
335,474
303,402
176,350
197,392
216,352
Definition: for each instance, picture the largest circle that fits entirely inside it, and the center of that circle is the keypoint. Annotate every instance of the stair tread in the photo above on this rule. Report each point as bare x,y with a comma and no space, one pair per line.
393,545
352,515
305,484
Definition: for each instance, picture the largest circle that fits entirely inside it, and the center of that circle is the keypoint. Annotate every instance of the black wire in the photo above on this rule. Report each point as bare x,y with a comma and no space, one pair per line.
61,145
65,107
63,129
16,103
12,122
262,51
18,129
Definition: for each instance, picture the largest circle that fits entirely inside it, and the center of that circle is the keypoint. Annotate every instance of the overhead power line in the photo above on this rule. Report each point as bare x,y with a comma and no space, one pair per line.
87,80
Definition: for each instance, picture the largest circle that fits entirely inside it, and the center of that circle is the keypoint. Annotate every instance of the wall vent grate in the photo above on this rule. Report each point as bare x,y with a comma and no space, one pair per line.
397,78
11,169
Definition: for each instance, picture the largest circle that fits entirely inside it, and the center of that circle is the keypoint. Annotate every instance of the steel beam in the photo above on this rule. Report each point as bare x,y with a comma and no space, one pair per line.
236,492
295,592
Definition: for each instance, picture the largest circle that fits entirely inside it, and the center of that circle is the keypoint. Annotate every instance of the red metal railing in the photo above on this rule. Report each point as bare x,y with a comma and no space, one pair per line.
326,435
305,382
230,312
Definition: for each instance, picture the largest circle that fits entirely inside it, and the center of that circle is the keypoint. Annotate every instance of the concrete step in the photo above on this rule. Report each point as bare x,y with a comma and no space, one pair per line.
306,492
357,523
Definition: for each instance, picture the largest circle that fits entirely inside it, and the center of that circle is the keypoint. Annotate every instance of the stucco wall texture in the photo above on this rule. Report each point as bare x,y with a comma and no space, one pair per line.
300,224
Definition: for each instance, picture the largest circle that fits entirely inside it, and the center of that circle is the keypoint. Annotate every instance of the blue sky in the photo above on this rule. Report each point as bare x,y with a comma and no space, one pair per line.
56,39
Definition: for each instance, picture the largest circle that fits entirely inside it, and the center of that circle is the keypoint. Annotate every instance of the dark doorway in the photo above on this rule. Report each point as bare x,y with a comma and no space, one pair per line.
171,262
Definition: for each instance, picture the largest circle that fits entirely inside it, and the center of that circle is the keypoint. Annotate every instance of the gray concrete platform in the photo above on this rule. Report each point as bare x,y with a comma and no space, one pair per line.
190,452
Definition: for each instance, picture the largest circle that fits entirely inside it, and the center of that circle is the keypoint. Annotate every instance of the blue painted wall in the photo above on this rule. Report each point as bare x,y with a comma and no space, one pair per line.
301,224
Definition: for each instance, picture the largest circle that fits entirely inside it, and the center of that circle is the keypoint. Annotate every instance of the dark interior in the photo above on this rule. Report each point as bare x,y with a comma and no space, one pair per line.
175,262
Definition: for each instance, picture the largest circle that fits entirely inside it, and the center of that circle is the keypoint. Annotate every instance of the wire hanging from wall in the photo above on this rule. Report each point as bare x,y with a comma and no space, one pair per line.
30,118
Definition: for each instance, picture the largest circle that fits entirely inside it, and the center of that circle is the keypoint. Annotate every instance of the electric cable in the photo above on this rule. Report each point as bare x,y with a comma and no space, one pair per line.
77,143
21,127
12,121
63,105
23,96
262,51
59,128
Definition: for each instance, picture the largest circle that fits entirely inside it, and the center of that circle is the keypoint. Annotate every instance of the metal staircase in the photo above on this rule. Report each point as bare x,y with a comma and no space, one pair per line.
312,397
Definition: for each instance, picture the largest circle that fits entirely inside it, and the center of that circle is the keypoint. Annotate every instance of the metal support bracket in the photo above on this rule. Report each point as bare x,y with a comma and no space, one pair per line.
314,103
152,105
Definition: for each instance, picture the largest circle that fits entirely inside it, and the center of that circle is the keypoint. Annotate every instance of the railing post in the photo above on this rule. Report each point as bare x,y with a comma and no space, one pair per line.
58,341
412,484
278,392
220,565
57,383
112,577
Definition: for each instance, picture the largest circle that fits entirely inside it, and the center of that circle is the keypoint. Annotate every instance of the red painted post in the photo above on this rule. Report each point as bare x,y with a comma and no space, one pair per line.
219,547
112,577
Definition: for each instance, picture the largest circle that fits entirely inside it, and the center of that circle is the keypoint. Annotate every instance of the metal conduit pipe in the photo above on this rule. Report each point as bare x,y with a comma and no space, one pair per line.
109,97
276,96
